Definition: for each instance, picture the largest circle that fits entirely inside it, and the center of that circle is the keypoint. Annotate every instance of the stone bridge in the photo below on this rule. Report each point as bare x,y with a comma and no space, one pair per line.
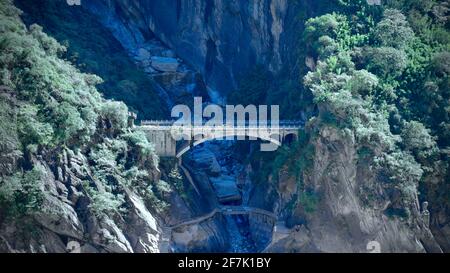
228,210
279,229
161,133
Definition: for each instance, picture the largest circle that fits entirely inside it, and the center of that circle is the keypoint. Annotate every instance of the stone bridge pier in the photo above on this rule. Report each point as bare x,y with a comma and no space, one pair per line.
165,145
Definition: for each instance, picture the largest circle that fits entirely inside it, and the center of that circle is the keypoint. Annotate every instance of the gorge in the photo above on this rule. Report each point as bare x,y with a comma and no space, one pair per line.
369,163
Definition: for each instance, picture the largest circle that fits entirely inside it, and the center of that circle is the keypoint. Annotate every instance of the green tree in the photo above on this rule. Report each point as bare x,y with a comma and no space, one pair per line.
68,121
31,130
393,30
21,193
417,139
115,114
363,83
387,62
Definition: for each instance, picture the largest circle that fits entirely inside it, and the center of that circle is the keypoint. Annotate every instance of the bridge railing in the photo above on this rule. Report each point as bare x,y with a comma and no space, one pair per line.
281,123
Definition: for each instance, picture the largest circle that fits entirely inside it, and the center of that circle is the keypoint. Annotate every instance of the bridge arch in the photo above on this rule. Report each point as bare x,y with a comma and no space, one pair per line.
270,138
174,141
290,138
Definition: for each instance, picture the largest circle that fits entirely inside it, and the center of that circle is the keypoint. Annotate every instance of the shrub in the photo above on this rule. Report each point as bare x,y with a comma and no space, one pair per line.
145,149
104,203
103,156
31,130
115,113
363,83
139,139
387,62
154,202
324,25
393,30
68,121
401,168
49,44
308,201
440,64
417,139
21,194
176,179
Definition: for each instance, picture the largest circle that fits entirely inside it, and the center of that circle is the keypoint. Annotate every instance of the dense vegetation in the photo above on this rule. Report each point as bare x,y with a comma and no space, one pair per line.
380,73
49,110
377,73
383,72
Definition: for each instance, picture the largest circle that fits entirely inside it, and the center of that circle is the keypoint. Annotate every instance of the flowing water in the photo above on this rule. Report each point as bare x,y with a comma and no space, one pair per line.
239,233
237,226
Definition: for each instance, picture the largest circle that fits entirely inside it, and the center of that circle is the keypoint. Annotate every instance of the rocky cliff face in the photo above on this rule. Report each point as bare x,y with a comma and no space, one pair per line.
64,221
220,39
349,212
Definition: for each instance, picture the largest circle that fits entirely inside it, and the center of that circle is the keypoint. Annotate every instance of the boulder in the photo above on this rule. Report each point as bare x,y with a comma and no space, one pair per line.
225,188
143,54
205,160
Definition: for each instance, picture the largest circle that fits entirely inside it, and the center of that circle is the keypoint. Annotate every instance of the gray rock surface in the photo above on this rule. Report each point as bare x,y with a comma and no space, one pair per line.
204,159
225,188
221,39
164,64
344,219
65,217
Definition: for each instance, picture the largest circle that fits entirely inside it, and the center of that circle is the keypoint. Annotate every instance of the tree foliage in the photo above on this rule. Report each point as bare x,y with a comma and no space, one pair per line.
21,193
389,86
55,109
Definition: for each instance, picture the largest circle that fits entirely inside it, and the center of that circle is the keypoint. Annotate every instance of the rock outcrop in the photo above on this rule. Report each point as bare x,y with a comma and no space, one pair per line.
208,236
177,43
65,219
219,38
349,213
225,188
174,79
164,64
